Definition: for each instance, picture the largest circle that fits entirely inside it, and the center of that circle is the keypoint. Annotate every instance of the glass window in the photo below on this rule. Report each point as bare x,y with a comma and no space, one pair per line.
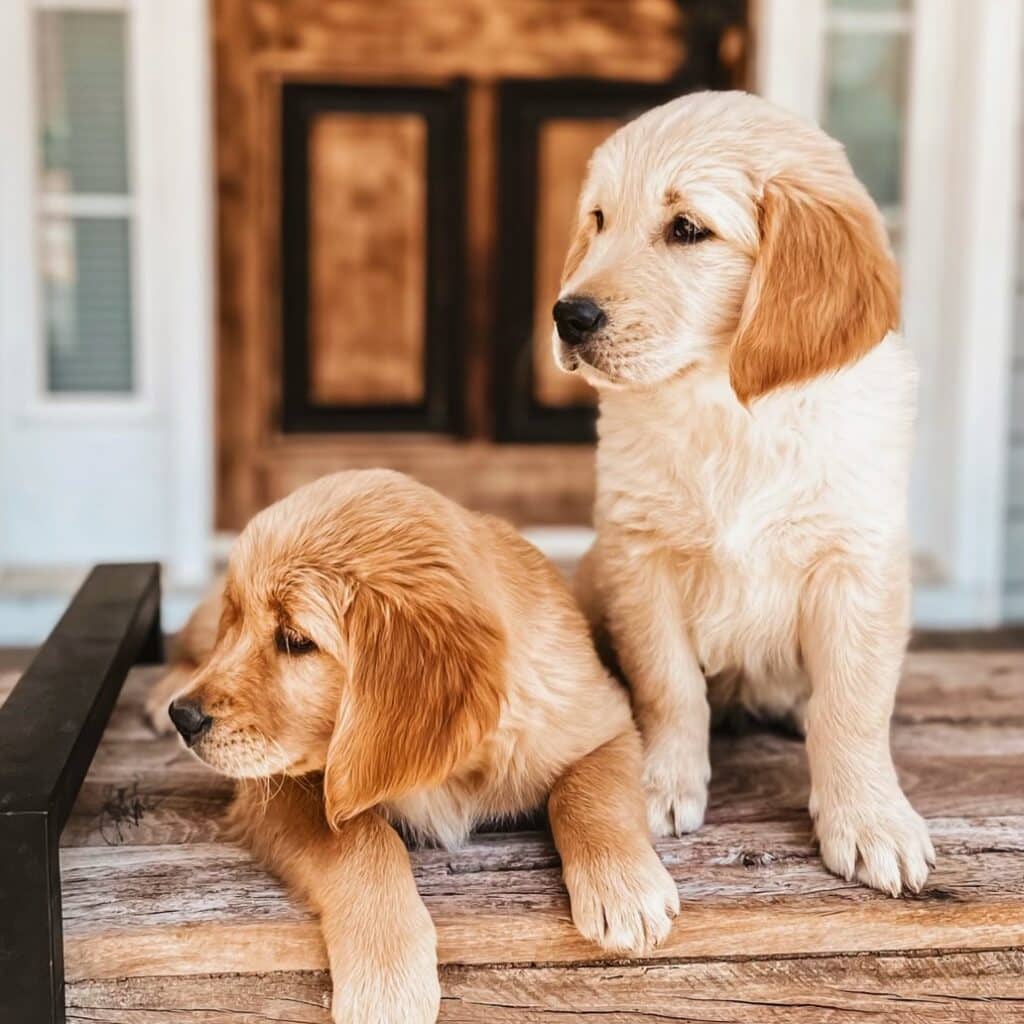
866,107
87,303
867,64
85,200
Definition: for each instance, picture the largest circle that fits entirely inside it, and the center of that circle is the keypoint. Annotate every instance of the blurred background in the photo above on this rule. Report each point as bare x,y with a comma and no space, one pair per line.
247,242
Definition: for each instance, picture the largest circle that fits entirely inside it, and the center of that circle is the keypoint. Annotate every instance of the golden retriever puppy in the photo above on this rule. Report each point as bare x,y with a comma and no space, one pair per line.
731,294
391,660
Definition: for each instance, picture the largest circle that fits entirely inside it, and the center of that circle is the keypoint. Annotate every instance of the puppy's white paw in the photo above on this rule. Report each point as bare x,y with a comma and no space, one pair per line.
883,843
676,785
624,900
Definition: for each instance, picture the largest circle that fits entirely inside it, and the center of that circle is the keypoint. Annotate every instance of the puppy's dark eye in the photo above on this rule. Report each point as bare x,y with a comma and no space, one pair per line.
684,231
290,642
598,216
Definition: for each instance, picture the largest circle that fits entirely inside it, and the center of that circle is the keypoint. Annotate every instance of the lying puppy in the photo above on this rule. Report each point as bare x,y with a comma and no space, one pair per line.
392,660
731,294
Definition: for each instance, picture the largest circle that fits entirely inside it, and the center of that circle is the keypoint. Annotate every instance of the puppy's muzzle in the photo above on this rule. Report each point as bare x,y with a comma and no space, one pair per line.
578,319
189,719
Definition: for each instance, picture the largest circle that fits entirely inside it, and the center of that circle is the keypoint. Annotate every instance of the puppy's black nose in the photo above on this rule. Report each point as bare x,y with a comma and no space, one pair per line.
577,318
189,719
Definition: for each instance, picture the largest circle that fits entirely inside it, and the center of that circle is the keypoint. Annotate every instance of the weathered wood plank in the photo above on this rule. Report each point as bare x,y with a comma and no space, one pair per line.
144,910
983,987
963,686
152,890
961,988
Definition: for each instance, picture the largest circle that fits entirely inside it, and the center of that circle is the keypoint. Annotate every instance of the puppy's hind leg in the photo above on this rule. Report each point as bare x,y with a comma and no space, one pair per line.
622,897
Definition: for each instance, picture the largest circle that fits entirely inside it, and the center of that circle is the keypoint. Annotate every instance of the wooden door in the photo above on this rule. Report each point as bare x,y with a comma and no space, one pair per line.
395,185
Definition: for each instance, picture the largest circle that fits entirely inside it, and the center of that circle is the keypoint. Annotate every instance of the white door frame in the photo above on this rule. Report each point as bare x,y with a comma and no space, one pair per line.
175,129
961,170
167,422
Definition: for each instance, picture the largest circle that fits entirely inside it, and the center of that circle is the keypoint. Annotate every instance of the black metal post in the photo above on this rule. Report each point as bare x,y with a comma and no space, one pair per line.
50,727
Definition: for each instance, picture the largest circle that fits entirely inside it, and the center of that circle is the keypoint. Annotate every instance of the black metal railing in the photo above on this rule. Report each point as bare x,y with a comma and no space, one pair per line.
50,727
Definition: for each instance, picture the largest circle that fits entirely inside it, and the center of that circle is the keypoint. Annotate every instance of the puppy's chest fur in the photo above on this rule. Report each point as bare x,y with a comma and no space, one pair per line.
742,505
738,536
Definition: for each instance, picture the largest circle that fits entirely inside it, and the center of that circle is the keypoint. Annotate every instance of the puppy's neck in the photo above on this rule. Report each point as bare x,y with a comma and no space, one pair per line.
687,398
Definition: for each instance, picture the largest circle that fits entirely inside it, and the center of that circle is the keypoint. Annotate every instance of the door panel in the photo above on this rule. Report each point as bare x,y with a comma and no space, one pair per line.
371,228
367,283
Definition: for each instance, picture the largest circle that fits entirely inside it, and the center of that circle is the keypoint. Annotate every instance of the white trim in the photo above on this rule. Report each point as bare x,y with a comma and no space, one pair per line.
789,54
80,204
17,229
985,240
174,134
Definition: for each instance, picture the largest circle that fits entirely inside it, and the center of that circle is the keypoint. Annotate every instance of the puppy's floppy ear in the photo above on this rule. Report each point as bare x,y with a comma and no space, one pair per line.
427,682
824,289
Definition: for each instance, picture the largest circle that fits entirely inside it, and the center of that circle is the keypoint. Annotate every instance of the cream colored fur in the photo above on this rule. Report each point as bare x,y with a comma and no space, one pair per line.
755,431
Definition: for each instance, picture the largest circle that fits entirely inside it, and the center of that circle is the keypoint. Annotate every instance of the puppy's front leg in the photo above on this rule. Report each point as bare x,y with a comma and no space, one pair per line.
853,634
621,895
646,624
380,940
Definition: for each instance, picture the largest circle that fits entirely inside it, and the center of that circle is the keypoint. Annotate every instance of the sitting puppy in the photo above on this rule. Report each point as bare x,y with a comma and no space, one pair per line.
731,294
392,660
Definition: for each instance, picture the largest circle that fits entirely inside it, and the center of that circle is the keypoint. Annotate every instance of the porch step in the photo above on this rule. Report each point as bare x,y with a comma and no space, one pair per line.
166,920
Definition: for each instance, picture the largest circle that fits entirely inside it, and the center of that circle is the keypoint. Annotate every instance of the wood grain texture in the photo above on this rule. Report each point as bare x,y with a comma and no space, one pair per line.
564,146
137,911
368,229
959,988
482,247
527,484
240,151
166,919
483,39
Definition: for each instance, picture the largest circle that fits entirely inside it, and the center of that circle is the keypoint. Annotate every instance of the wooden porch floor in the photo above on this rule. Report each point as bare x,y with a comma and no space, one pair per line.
166,921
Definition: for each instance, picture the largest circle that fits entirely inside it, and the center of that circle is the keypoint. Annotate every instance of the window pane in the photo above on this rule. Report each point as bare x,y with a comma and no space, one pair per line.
82,102
87,300
866,106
